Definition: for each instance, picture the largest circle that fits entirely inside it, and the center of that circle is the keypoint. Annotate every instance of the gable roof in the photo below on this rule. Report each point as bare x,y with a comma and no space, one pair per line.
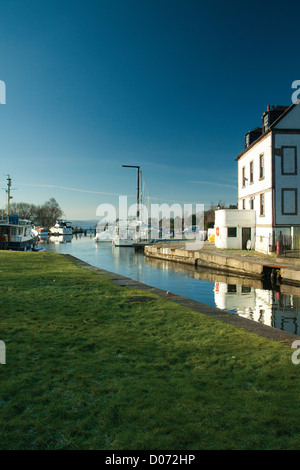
282,116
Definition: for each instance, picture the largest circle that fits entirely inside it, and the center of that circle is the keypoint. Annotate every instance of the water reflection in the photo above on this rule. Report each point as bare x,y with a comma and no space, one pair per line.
57,239
247,297
265,306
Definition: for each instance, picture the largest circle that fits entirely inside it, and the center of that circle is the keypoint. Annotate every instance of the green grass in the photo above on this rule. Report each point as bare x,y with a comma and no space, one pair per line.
92,365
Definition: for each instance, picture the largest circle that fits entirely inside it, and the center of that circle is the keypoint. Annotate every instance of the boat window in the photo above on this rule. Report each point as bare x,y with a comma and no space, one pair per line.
13,231
20,230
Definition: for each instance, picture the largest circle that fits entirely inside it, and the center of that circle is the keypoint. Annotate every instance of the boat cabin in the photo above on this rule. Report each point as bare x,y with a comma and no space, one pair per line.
16,233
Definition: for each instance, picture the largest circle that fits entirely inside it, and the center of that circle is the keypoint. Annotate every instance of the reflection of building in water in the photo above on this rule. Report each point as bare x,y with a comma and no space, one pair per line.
286,312
244,296
271,308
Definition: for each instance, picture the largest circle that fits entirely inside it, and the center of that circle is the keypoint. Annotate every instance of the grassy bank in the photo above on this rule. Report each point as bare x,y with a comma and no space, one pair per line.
91,365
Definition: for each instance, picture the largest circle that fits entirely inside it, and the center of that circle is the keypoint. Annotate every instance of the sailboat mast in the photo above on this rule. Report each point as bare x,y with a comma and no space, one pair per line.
138,194
137,189
9,197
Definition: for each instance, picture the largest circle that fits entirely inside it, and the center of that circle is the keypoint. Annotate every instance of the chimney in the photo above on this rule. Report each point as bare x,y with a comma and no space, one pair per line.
268,107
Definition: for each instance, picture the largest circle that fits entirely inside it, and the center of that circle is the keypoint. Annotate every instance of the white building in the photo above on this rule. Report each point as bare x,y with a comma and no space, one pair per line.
269,176
234,229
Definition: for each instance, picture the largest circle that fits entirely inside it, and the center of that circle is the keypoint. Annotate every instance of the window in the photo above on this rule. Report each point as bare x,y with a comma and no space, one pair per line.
262,204
243,177
243,203
289,198
246,289
261,167
231,232
289,161
251,172
251,203
231,288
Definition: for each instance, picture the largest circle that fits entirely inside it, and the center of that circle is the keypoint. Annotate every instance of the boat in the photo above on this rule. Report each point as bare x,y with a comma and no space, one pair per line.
129,232
42,232
134,231
62,227
105,234
17,234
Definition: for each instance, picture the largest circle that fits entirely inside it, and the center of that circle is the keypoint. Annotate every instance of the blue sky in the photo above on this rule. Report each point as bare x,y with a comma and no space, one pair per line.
170,85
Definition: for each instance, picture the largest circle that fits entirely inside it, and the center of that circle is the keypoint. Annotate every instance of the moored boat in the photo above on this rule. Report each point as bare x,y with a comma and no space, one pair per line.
104,234
42,232
62,227
128,233
17,234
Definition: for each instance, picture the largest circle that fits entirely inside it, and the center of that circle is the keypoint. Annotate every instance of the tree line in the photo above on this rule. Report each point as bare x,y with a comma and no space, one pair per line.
44,215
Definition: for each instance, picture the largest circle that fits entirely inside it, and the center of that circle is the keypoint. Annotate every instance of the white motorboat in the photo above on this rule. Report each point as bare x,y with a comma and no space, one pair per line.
17,234
104,234
62,227
128,233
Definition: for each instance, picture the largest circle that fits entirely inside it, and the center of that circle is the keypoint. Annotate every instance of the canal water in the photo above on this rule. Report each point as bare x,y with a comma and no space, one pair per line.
249,298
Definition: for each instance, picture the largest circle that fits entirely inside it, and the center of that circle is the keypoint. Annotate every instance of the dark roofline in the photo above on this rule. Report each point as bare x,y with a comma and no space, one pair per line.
266,133
253,143
282,115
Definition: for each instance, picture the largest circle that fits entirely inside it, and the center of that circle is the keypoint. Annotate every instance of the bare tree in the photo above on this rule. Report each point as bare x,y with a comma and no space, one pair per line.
48,213
44,215
23,210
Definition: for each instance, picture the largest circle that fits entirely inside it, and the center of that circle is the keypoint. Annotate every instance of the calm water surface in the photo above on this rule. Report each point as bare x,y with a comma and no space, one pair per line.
245,297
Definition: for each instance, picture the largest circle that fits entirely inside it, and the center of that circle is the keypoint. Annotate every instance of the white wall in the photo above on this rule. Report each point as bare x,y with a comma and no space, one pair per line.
258,186
254,190
225,218
286,182
291,120
273,214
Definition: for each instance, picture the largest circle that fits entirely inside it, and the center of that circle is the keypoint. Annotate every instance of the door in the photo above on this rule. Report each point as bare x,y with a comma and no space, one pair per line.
246,235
